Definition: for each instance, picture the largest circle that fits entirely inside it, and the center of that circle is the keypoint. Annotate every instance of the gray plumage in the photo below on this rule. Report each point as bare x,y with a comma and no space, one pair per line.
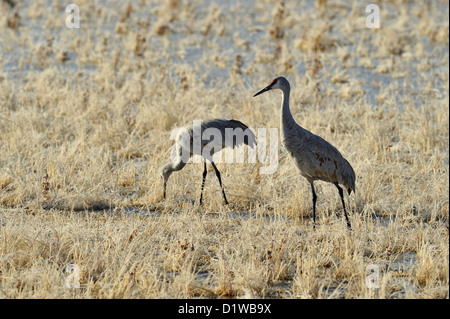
315,158
185,146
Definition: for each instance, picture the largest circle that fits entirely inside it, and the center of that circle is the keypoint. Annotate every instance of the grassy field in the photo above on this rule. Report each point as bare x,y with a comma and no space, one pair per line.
85,122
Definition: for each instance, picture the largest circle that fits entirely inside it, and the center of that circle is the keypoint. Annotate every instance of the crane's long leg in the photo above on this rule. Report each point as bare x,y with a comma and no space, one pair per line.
220,181
341,193
164,192
205,171
314,203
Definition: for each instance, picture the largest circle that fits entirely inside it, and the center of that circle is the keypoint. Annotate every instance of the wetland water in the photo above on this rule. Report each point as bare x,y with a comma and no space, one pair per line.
227,45
403,59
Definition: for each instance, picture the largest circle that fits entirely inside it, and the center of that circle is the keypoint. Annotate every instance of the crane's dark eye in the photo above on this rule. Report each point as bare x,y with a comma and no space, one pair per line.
274,81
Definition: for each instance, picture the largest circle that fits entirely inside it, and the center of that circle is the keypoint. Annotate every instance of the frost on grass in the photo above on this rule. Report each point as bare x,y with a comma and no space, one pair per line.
85,121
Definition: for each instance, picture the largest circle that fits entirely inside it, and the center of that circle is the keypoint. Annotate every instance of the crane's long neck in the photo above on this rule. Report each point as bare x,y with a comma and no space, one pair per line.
287,121
168,169
173,167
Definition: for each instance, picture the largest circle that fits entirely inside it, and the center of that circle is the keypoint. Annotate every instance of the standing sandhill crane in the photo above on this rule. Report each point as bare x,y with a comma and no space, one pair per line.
185,140
315,158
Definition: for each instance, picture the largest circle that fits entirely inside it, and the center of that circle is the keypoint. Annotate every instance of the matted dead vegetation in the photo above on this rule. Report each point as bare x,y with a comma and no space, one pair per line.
85,122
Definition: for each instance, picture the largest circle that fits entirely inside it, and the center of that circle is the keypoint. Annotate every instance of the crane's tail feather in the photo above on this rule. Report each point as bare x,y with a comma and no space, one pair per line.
249,137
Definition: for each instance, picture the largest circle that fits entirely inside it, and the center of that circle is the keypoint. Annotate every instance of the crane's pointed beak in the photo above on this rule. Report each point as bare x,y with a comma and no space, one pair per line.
267,88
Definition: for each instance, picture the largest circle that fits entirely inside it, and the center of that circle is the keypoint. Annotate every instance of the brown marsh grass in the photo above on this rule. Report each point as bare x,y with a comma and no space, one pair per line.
85,122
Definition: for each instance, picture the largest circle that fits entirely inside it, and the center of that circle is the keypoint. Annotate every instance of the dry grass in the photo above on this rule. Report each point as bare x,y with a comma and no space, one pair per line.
85,121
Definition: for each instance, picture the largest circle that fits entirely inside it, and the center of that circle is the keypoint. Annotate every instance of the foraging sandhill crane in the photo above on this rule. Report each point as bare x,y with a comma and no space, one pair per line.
184,144
315,158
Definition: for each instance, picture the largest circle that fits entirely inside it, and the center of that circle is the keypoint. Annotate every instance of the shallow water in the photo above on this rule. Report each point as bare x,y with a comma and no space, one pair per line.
186,48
